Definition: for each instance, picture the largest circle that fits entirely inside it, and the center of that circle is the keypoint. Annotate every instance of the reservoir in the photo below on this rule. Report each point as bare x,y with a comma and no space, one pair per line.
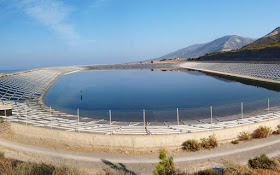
128,92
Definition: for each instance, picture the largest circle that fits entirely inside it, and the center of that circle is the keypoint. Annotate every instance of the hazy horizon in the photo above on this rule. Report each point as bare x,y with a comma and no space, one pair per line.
40,33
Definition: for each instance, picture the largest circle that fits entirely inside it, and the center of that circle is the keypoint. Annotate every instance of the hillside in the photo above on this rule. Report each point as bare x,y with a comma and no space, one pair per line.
273,38
266,48
225,43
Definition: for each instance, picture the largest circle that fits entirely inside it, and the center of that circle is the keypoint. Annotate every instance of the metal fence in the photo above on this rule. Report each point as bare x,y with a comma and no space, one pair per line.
219,112
146,121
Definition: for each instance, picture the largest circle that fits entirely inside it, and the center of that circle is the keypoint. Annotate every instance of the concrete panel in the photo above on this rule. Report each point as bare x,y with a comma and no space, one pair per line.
135,142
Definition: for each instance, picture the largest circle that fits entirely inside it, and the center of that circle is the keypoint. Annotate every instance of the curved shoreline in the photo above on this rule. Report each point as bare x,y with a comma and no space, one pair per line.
177,66
101,67
41,98
129,137
126,66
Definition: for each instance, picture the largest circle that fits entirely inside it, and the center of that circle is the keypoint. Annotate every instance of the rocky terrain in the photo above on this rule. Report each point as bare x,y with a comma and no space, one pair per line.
225,43
273,38
266,48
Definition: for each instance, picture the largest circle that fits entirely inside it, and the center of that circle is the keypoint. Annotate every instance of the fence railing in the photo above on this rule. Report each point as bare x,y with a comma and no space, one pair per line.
220,112
145,118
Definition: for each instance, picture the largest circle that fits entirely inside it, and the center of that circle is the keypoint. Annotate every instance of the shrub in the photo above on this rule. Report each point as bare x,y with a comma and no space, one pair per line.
236,169
28,168
207,172
244,136
210,142
235,142
264,162
6,165
264,172
262,132
205,143
152,61
192,145
213,141
114,171
165,166
2,155
64,170
15,167
277,132
2,121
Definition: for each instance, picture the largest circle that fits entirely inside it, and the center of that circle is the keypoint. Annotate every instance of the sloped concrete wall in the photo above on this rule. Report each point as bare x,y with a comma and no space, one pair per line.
134,142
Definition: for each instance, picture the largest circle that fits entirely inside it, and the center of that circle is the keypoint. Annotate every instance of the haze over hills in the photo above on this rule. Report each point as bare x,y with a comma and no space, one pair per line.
266,48
225,43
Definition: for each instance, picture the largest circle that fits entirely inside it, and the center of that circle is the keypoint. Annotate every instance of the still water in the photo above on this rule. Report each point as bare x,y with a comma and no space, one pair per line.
11,71
128,92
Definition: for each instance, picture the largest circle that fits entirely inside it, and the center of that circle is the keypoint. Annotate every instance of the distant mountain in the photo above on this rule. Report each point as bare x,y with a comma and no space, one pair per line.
266,48
225,43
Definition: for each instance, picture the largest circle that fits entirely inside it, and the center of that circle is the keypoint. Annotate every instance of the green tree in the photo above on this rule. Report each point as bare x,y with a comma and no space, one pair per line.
165,166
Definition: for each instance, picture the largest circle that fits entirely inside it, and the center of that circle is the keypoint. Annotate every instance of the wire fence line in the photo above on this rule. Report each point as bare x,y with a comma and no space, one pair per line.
32,114
227,111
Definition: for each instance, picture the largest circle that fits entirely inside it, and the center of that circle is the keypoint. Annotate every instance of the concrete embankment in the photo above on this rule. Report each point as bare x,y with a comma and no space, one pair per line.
134,142
190,67
23,72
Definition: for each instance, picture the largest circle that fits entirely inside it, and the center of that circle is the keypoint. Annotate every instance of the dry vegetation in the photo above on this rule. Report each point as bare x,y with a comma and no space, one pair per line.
206,143
262,165
15,167
260,132
244,136
192,145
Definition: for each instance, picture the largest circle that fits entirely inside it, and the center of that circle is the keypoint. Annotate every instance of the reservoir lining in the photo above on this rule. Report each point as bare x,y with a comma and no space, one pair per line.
43,119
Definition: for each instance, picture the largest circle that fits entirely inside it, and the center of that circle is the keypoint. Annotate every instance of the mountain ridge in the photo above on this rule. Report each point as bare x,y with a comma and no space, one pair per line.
225,43
271,38
266,48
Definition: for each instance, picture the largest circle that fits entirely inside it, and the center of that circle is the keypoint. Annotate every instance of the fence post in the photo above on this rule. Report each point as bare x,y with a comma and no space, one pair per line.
144,118
242,115
211,116
51,116
5,114
78,115
110,116
26,118
178,116
268,106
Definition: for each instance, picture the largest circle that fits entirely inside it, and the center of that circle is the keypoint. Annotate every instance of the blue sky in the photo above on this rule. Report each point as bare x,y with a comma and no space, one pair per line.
39,33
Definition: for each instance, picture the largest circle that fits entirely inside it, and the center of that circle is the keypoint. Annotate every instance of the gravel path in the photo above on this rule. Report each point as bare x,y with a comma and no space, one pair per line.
96,162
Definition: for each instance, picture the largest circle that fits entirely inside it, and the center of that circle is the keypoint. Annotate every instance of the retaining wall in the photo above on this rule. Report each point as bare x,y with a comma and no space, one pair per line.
133,142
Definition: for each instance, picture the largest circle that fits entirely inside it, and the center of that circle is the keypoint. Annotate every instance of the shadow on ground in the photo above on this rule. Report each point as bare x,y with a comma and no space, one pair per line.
118,167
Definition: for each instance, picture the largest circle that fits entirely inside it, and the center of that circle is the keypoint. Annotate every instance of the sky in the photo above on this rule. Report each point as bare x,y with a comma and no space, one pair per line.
41,33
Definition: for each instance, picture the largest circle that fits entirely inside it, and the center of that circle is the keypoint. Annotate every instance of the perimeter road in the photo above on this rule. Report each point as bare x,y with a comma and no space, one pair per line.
90,157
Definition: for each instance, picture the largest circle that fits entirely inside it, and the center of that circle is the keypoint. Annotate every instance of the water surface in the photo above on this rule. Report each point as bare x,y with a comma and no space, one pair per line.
128,92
